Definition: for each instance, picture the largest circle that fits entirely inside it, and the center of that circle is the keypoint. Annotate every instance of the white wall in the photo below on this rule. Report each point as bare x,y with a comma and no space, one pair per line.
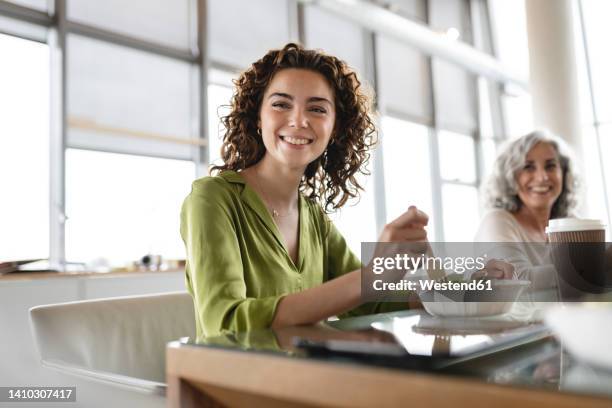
19,361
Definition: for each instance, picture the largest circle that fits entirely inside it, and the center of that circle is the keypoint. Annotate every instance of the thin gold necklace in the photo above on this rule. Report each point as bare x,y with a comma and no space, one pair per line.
275,213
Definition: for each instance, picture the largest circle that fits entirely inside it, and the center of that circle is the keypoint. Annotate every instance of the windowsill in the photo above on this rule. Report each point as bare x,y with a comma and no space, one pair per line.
25,276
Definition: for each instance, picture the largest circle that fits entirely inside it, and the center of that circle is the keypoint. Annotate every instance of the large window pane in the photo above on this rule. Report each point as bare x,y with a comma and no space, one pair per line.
130,91
584,86
357,221
24,149
606,147
403,79
460,206
165,22
457,157
123,207
489,154
331,33
455,96
454,87
218,106
488,128
509,23
240,32
595,174
518,113
486,109
412,9
598,32
509,26
407,168
453,15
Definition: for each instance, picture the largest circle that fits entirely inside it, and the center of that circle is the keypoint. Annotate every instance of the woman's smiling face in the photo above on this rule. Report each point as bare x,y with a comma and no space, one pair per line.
540,180
297,117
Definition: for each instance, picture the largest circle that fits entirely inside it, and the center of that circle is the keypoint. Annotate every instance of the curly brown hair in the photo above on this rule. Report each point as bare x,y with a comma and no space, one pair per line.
331,178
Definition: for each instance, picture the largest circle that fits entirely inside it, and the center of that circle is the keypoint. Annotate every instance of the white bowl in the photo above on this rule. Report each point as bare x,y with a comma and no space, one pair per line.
437,304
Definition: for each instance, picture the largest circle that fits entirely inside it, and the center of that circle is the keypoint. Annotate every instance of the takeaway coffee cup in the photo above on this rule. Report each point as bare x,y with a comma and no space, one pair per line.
575,230
578,252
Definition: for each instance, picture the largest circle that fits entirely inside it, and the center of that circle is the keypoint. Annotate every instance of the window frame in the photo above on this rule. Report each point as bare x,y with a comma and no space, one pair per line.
59,27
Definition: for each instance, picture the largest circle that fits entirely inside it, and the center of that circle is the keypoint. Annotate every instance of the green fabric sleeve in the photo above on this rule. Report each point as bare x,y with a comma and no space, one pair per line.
214,264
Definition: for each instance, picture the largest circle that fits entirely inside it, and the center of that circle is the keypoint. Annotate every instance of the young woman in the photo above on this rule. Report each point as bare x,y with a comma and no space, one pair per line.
261,251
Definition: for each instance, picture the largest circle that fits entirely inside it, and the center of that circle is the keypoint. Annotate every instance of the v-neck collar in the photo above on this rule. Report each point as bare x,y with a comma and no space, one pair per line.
255,203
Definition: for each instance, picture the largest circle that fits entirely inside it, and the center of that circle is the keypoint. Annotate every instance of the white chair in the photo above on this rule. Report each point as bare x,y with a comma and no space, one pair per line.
119,341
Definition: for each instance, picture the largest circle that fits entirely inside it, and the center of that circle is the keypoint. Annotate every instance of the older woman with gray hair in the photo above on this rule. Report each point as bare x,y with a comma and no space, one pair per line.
532,182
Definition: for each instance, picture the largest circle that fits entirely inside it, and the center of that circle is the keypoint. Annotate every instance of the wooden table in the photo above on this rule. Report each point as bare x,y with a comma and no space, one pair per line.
212,376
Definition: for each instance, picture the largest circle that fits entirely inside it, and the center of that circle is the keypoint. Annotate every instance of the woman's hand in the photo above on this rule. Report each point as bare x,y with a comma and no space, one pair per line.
495,269
408,227
405,234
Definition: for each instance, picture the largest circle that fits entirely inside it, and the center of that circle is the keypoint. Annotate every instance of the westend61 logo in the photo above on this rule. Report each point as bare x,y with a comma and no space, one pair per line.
485,271
411,263
397,271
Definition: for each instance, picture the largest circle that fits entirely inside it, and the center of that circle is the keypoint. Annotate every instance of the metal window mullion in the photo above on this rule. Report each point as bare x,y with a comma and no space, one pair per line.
222,66
378,19
453,128
479,151
118,151
130,42
476,133
194,26
477,37
201,152
57,151
587,58
378,173
391,112
26,14
498,117
490,23
599,123
436,183
301,22
293,21
378,169
460,183
495,89
434,150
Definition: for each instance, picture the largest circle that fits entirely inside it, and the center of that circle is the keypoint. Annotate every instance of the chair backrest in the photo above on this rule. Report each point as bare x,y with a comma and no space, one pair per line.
124,335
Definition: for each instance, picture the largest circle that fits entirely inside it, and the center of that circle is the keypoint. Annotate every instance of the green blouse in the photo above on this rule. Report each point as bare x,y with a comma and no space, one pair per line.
238,268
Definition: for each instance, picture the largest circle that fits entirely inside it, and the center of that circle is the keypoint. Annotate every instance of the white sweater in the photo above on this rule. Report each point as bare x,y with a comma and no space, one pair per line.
501,236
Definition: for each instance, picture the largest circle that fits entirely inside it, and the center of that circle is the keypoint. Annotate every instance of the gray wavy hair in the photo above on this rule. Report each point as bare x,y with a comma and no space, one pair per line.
501,189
